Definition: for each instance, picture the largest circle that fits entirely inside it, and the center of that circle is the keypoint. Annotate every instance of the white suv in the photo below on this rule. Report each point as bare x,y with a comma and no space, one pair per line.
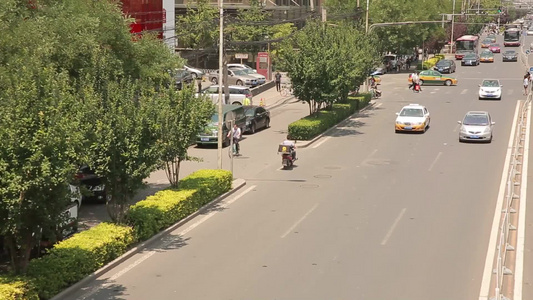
236,94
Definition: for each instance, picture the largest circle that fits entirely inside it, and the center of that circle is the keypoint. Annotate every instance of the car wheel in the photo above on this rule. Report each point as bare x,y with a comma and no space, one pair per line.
447,82
236,103
267,123
194,75
252,128
490,140
239,82
214,80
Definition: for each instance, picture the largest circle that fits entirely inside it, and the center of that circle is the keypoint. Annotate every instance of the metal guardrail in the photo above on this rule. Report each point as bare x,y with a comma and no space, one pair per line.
512,193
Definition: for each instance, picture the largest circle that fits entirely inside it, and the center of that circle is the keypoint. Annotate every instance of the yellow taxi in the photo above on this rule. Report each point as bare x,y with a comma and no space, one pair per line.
412,117
428,77
486,43
486,56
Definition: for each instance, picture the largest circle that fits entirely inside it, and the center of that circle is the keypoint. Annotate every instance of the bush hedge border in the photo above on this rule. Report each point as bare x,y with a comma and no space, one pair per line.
77,257
313,125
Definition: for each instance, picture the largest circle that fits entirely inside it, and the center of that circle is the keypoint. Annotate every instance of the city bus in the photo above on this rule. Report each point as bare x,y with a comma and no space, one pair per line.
465,44
511,37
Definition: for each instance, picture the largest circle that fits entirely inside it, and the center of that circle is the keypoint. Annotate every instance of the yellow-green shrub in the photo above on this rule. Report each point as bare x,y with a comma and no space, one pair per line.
73,259
313,125
15,288
167,207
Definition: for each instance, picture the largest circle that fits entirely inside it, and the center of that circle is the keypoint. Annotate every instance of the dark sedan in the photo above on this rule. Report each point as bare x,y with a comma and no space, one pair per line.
183,76
445,66
471,59
510,55
93,185
256,118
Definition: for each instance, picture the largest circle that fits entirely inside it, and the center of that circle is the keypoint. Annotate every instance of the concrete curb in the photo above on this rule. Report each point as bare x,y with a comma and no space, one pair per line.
265,86
305,144
236,185
279,103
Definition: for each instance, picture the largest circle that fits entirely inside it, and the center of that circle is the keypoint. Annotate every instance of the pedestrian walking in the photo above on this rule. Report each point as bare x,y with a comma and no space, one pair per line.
526,84
414,79
278,81
236,137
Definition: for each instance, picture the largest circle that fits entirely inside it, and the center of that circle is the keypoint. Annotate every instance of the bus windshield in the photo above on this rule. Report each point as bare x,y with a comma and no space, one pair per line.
465,45
511,35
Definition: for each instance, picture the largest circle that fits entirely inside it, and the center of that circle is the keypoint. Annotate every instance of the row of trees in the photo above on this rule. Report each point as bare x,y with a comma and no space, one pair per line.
77,89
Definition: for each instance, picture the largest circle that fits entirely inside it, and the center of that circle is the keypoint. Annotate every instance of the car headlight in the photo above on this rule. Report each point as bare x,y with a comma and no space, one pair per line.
214,132
487,130
463,130
399,122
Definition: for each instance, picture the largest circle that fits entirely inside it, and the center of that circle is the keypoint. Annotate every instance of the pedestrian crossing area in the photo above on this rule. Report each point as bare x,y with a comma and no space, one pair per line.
454,91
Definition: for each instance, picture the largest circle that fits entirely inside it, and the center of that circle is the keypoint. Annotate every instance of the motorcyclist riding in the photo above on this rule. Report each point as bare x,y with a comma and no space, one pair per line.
292,147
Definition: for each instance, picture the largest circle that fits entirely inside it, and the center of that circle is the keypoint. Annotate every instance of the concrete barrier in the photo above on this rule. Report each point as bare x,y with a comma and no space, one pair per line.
259,89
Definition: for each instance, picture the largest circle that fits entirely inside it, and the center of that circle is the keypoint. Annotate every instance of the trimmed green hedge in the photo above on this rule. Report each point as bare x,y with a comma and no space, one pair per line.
313,125
167,207
12,288
75,258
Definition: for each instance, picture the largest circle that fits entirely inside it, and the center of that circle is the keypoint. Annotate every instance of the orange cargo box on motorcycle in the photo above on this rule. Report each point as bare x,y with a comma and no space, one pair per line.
284,149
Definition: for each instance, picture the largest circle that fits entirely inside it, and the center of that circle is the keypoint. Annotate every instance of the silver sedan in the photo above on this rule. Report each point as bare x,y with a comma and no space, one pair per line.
476,126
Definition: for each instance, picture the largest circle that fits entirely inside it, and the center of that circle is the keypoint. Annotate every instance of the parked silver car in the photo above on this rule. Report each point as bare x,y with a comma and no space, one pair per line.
260,78
235,77
236,94
476,126
195,73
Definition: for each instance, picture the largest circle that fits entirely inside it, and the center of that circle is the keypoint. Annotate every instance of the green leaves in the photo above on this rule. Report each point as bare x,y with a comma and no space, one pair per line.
327,62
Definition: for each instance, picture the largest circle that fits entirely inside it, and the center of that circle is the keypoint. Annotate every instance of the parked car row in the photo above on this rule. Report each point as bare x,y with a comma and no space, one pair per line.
241,75
249,118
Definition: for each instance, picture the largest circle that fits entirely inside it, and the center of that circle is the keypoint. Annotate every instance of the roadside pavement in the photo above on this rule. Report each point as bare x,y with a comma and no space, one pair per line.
283,110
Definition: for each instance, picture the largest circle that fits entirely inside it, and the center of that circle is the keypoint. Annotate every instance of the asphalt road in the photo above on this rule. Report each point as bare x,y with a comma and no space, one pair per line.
365,214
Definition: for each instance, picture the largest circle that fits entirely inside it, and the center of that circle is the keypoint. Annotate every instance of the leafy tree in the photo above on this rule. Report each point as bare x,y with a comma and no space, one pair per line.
198,28
124,140
65,68
280,32
330,62
249,26
183,115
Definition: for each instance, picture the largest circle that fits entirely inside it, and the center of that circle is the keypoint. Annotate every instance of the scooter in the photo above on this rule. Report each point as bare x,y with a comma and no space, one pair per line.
287,160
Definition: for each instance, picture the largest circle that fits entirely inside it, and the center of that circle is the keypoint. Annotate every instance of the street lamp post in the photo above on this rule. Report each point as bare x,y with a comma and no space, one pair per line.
220,70
366,17
451,34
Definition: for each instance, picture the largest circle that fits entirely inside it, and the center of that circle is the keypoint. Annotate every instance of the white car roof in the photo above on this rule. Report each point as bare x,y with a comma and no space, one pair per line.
413,105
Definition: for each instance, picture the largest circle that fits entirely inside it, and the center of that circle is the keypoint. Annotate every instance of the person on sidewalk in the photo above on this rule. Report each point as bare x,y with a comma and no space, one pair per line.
246,101
526,84
277,78
236,138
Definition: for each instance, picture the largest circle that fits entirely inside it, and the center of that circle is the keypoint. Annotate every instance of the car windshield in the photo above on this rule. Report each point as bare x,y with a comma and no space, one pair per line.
490,83
411,112
247,71
470,56
249,112
510,53
239,72
487,41
444,63
477,120
487,54
495,45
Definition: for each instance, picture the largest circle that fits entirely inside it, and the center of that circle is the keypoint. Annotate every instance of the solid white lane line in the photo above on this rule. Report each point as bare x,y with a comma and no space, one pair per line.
299,221
434,161
224,204
321,142
391,230
521,229
464,91
491,250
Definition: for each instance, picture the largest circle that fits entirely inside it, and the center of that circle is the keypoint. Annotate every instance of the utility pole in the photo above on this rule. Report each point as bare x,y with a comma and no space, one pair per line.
358,4
312,5
366,18
451,34
220,70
